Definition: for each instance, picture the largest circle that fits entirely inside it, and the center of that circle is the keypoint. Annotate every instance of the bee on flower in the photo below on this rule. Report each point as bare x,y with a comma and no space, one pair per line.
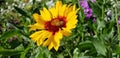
54,23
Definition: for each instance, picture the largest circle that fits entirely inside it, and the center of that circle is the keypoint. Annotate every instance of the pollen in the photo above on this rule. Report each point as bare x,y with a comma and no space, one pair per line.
55,24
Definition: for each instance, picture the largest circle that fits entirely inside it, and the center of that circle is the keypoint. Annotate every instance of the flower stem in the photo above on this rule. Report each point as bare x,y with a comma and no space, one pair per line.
69,53
109,53
116,17
103,11
116,14
78,3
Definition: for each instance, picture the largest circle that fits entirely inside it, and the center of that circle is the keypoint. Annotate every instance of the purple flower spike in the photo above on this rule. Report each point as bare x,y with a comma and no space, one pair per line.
88,12
87,9
93,1
84,3
119,21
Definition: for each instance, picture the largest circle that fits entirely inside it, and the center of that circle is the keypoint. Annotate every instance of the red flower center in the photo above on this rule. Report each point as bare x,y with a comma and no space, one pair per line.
55,24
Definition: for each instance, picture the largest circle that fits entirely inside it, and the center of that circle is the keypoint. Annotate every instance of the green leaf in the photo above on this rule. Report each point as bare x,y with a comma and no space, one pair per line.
87,45
76,53
8,34
73,1
96,9
100,47
9,52
22,12
101,24
117,50
60,55
23,54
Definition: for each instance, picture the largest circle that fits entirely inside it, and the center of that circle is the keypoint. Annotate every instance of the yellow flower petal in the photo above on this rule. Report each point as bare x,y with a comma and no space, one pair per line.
71,20
56,46
45,14
58,35
66,32
70,14
58,3
44,35
71,24
35,35
50,46
58,6
36,26
62,10
54,12
69,9
48,41
36,17
56,41
73,7
53,41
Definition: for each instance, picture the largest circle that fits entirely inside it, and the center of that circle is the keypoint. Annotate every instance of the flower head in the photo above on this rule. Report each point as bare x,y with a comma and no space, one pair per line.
53,24
88,12
84,3
87,9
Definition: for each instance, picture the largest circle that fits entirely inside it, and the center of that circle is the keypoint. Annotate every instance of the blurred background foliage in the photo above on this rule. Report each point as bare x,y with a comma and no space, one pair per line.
99,39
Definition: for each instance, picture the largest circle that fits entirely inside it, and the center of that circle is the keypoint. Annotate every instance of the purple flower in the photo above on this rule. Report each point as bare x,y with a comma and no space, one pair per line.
119,21
84,3
93,0
88,12
94,20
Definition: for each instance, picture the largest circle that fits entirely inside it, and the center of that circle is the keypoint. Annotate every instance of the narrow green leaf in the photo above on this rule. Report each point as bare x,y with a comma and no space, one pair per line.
87,45
36,9
21,11
9,52
25,52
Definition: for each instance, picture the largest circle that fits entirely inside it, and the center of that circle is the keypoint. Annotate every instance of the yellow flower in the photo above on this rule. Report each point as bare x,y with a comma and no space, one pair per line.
53,24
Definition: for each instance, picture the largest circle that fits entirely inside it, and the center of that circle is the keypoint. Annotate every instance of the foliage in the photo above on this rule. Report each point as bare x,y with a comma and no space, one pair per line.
90,39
